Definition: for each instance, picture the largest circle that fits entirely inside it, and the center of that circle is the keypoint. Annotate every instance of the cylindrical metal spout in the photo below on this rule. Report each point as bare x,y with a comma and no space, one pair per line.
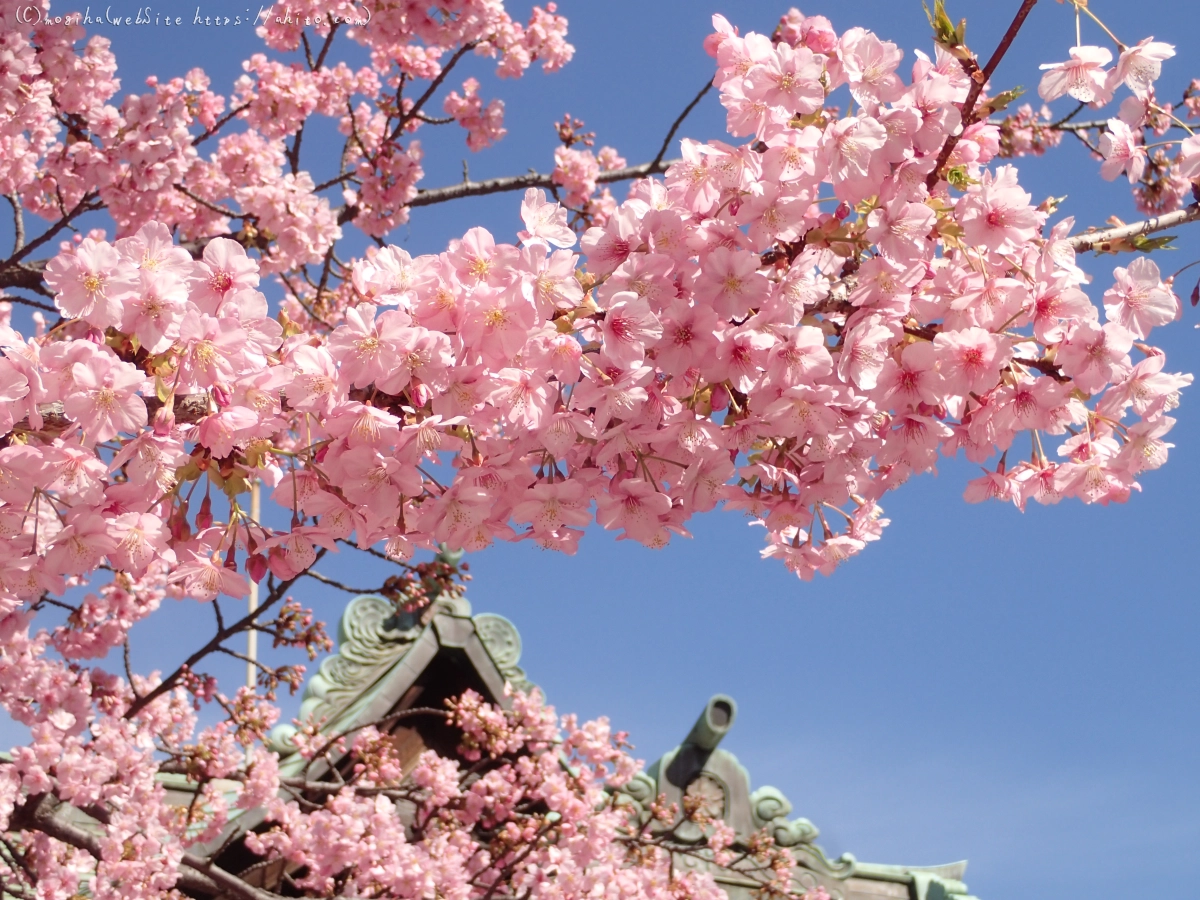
714,723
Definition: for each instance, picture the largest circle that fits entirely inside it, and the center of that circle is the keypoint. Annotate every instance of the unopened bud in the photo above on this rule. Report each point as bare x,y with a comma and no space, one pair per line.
256,567
222,395
843,210
164,420
421,394
204,517
720,397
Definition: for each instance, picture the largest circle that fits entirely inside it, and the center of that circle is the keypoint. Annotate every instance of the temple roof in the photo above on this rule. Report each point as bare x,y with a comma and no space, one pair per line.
386,662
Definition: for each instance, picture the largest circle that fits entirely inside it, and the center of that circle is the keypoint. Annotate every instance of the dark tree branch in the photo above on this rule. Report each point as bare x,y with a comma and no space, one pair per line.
40,813
317,576
666,144
189,408
978,80
214,645
533,179
220,210
406,117
221,122
18,221
36,304
85,204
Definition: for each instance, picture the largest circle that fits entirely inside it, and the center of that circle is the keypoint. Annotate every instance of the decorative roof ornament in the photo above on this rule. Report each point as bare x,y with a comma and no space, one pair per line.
699,772
375,641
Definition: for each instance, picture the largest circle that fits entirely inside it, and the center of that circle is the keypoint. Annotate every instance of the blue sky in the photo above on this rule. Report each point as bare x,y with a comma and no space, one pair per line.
1018,690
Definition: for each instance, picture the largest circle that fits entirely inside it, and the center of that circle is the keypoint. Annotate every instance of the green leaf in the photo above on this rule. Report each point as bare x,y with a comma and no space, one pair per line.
1149,244
957,177
944,31
1004,98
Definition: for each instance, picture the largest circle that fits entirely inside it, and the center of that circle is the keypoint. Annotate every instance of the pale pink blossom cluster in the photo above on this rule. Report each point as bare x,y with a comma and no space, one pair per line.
727,343
545,801
67,147
1162,182
484,124
790,326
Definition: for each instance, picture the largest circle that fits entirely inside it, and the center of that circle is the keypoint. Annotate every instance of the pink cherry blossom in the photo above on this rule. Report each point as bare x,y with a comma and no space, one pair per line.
1139,66
1083,76
1140,301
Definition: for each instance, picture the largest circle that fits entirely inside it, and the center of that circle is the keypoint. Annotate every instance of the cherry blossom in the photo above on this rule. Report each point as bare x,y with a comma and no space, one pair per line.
788,326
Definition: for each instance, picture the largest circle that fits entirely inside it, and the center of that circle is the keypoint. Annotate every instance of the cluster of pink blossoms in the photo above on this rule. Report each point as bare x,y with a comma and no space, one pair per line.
729,341
65,149
1163,181
790,326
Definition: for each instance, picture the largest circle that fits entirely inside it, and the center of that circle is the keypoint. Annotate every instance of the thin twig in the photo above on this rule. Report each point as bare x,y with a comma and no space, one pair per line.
220,210
277,593
221,122
662,151
533,179
85,204
406,117
312,573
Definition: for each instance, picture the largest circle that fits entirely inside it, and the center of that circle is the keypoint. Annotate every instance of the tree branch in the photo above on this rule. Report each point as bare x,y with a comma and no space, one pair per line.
406,117
662,151
317,576
221,122
533,179
978,80
18,221
1104,239
84,205
277,593
40,813
189,409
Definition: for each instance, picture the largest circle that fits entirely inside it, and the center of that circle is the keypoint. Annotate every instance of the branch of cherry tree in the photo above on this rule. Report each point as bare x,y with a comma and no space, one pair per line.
790,326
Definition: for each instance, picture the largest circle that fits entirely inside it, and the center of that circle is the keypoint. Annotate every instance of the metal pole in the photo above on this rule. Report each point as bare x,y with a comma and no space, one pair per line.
252,635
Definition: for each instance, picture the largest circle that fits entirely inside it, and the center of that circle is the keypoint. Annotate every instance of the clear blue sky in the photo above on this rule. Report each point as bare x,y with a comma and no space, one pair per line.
1018,690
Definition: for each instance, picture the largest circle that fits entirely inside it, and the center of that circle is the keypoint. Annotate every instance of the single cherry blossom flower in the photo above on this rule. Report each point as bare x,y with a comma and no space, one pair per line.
1139,300
1083,76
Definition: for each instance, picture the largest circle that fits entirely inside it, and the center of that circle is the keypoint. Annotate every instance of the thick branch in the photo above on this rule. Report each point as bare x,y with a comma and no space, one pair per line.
25,275
18,221
533,179
40,813
189,409
1105,238
978,80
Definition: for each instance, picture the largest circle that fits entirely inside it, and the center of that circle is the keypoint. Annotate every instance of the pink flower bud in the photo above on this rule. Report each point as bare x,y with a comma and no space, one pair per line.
204,518
256,567
222,395
421,394
164,420
843,210
720,397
